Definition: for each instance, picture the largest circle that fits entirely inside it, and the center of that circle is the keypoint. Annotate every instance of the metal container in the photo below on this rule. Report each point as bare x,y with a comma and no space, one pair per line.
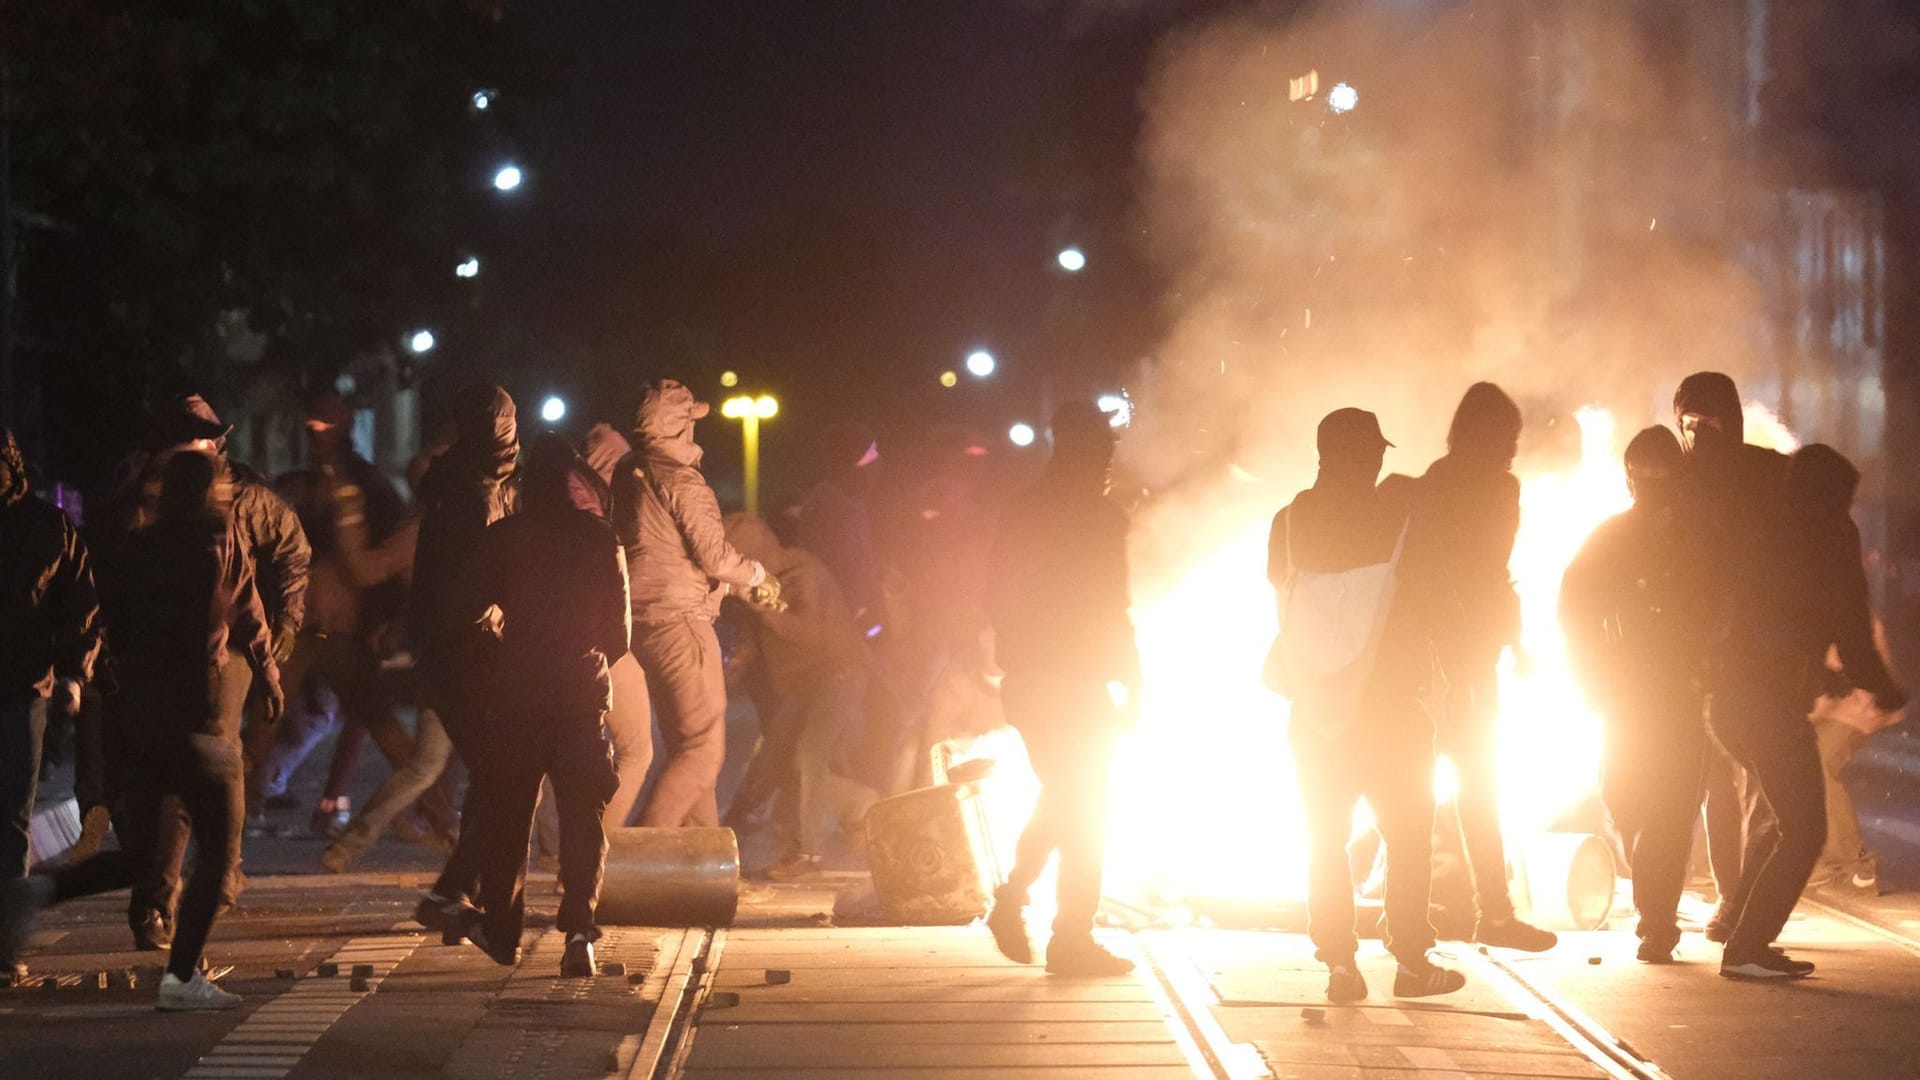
1568,879
925,849
670,877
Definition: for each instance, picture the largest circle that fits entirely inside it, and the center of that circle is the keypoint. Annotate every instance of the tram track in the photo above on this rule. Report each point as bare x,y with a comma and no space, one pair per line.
1613,1055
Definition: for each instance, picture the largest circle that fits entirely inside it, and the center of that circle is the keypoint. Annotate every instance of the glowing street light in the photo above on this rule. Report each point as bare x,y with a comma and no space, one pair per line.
483,100
1071,259
554,409
1021,434
750,410
1118,407
1342,98
508,178
949,379
421,341
468,268
729,379
980,363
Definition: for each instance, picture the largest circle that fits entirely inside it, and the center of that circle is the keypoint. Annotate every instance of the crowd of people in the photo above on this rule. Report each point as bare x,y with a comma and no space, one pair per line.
557,602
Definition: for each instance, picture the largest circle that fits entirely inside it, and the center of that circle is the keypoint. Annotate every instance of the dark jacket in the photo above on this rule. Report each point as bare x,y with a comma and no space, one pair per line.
1468,518
835,526
1057,587
816,637
464,491
1635,606
49,613
179,595
316,496
270,531
668,520
559,578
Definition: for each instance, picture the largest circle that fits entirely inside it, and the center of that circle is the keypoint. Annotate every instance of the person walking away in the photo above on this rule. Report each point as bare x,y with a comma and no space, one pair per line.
269,532
556,577
181,602
668,520
1635,607
1843,719
49,640
1058,598
814,671
463,492
1811,596
1471,503
1357,728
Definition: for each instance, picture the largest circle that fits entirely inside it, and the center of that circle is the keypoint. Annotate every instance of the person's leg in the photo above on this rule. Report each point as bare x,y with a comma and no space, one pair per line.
1082,785
1398,785
630,723
688,687
210,784
1327,798
313,711
583,777
1782,757
90,753
1667,762
502,826
1725,808
1846,849
431,750
1471,741
23,727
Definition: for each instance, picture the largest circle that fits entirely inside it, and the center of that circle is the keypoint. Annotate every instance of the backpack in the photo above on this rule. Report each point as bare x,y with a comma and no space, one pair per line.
1330,630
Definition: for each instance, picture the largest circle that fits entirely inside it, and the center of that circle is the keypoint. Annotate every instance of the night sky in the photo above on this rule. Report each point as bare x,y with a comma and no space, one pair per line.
837,200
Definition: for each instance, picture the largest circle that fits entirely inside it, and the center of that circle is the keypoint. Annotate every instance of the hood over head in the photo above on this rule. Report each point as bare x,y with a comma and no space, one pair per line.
667,412
1486,426
1821,479
753,537
485,427
604,449
1654,463
1713,395
553,479
188,418
13,470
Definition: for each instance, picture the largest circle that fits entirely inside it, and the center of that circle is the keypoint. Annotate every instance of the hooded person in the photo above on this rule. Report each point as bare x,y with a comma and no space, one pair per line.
464,491
1057,597
630,718
1357,728
553,578
681,566
1470,514
182,604
834,522
1635,605
49,639
811,683
1809,597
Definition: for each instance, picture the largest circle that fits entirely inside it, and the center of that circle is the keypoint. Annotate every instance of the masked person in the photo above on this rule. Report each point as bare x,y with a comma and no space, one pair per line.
1058,598
813,670
182,605
1635,605
49,639
1357,729
554,578
681,566
463,492
1470,504
1809,597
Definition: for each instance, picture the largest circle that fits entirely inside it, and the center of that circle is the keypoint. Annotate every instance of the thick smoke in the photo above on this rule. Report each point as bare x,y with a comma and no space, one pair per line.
1545,194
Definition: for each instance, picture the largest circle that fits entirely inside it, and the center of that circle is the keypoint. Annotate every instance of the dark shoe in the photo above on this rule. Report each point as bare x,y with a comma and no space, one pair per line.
504,953
439,913
1768,963
577,962
1514,934
152,933
1084,957
1344,984
1655,952
1008,922
1426,979
793,868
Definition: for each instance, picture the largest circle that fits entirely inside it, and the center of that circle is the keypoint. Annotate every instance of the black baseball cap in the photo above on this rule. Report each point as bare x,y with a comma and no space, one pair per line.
1349,431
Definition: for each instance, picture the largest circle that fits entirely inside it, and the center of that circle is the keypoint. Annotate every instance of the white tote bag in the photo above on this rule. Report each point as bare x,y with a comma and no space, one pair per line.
1330,629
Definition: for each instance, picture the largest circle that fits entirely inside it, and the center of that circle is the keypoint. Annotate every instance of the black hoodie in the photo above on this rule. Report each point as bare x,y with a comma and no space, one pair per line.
465,490
49,612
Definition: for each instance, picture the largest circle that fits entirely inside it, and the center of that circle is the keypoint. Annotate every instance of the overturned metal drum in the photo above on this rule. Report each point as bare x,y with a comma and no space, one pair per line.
1567,880
670,877
926,851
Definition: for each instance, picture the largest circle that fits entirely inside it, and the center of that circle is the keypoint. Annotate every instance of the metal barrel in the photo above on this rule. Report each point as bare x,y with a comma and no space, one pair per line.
1568,880
670,877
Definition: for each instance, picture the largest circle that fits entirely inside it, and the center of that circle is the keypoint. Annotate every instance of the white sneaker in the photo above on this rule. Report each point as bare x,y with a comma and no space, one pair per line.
194,995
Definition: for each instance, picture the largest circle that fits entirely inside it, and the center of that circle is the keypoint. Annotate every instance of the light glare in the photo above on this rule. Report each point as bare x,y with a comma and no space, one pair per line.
421,341
553,410
1021,434
729,379
508,178
949,379
1342,98
1072,260
981,363
470,268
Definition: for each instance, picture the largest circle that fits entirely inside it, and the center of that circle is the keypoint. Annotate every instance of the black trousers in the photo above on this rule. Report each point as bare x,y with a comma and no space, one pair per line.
1069,729
159,889
1765,729
203,772
23,727
1386,759
1469,736
1652,779
503,790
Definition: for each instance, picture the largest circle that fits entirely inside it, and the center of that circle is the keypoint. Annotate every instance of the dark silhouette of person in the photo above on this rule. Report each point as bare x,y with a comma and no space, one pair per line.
180,602
558,580
1379,744
1808,596
1470,513
1057,596
1635,606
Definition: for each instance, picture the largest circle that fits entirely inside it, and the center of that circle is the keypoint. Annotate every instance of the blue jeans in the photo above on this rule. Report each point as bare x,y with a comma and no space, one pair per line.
23,725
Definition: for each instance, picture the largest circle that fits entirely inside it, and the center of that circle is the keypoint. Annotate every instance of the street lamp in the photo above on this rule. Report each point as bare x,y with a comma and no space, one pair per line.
980,363
949,380
482,100
421,341
468,267
508,178
1342,98
554,409
1021,434
729,379
750,410
1071,259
